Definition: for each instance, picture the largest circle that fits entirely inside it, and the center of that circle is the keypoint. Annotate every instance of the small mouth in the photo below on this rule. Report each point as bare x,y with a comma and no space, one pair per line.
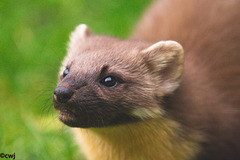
67,117
73,115
74,120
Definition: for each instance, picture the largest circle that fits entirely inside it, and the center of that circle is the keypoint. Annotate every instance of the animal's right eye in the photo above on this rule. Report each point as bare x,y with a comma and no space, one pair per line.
65,72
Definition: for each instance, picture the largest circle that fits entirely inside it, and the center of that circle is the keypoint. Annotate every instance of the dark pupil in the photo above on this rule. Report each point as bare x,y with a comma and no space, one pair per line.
66,71
109,81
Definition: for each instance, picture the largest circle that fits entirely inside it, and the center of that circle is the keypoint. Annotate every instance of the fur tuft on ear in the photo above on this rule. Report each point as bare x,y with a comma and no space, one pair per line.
166,58
80,34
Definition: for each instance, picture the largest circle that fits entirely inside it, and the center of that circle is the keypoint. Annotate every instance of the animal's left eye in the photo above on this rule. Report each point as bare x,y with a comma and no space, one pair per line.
109,81
65,72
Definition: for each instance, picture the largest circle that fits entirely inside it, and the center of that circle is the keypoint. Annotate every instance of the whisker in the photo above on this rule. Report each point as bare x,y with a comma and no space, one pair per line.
47,106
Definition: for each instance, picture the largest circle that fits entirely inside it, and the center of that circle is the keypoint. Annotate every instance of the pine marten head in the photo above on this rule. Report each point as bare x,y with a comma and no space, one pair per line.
106,81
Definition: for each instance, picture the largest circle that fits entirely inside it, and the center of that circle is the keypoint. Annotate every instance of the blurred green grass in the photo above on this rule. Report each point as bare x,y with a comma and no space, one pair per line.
33,38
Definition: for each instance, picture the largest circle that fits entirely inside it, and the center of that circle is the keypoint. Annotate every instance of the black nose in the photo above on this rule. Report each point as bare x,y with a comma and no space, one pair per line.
62,94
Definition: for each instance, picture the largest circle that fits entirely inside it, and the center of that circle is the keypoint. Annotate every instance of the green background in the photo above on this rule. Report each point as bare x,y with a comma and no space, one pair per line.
33,38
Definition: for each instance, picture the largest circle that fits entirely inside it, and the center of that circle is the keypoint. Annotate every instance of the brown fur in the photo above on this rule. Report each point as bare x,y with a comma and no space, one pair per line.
199,111
137,89
210,90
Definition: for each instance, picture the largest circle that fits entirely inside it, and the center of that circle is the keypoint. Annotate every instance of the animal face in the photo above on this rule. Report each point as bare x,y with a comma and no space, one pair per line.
105,81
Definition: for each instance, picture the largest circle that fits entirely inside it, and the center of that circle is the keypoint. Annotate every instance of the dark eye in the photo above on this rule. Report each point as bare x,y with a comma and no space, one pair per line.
65,72
109,81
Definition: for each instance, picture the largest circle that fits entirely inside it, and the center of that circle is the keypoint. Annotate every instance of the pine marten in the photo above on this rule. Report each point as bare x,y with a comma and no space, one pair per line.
150,98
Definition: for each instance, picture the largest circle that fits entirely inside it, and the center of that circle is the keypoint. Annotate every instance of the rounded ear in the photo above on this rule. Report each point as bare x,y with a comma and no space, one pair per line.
80,34
166,58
